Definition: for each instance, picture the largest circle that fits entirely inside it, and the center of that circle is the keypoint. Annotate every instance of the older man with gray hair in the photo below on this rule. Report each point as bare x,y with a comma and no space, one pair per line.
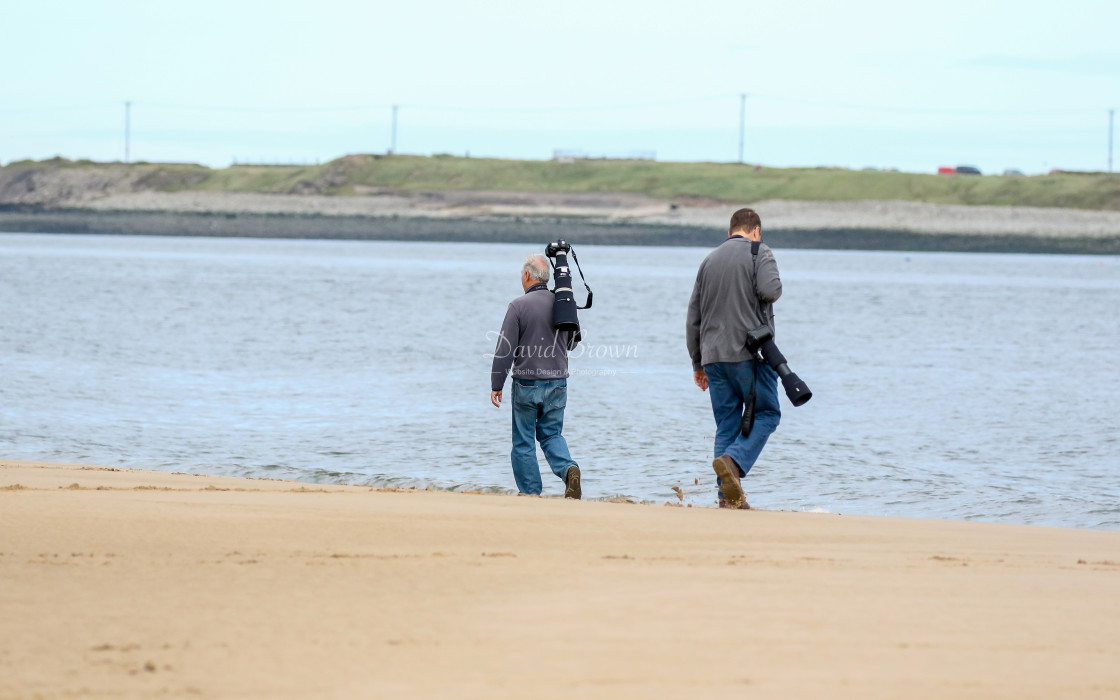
536,355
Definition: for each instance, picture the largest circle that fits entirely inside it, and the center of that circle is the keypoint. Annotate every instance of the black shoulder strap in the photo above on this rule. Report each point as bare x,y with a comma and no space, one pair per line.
755,245
762,306
584,280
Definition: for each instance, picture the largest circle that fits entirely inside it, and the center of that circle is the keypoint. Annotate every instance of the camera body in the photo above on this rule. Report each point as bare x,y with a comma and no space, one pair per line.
757,336
560,246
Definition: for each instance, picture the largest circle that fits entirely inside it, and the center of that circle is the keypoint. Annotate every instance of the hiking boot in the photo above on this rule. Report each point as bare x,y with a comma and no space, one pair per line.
571,482
728,472
724,504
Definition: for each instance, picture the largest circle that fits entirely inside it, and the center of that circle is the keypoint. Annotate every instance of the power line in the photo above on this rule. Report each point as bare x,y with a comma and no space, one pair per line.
570,109
262,110
427,107
58,108
921,110
555,109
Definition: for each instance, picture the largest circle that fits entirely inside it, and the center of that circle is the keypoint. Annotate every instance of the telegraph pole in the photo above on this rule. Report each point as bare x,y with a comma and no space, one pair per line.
742,122
1111,112
393,147
127,127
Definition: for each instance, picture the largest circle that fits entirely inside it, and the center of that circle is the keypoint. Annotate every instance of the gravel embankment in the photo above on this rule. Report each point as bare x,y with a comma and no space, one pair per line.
914,217
616,218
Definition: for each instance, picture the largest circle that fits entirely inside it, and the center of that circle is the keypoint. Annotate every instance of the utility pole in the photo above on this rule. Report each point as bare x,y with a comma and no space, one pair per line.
1111,112
393,147
127,127
742,122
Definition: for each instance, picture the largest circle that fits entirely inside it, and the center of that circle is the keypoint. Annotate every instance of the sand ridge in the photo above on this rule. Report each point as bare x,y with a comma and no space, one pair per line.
621,207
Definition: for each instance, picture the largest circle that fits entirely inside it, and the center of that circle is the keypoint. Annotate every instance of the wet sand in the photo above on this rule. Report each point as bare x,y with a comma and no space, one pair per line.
136,584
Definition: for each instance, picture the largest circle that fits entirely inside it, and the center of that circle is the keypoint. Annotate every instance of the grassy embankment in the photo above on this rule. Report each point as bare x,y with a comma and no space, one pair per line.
730,182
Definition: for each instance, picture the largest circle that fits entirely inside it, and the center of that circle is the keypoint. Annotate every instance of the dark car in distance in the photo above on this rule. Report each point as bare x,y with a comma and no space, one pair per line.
967,170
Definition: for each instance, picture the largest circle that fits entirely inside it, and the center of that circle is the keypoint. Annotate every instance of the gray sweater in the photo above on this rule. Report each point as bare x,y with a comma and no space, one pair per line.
724,305
528,343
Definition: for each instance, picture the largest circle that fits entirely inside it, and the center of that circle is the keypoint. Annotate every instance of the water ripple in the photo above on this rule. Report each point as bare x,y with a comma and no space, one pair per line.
353,362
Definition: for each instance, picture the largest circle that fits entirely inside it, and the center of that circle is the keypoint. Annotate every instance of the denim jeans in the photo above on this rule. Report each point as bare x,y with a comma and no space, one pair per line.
538,412
729,385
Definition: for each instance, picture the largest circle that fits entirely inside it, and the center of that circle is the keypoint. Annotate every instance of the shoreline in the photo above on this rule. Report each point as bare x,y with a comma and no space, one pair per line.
138,583
510,228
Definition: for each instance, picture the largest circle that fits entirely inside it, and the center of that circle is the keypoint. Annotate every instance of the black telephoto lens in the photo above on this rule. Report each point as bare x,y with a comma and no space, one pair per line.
564,316
797,390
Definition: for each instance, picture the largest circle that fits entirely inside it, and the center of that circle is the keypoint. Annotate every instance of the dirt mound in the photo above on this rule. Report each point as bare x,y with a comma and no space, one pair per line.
63,187
62,183
336,174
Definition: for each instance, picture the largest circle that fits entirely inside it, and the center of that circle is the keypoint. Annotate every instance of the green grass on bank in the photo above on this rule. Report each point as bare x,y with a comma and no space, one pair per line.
730,182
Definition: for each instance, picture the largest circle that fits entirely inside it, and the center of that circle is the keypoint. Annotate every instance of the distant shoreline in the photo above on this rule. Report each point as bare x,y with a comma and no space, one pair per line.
518,229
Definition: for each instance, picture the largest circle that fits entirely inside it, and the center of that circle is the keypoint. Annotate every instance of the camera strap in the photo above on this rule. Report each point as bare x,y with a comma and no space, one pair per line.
747,422
762,306
582,279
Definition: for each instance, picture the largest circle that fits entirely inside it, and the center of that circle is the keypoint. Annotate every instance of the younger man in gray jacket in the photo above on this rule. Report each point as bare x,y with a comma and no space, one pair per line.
733,294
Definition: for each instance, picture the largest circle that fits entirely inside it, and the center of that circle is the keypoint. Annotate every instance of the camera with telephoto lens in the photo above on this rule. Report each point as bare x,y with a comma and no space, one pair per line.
760,341
564,308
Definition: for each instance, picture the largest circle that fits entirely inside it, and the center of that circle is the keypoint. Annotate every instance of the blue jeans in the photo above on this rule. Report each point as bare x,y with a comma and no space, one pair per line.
729,385
538,412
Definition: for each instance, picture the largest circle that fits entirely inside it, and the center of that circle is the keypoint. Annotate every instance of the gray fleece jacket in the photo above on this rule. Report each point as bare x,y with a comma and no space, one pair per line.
725,305
528,343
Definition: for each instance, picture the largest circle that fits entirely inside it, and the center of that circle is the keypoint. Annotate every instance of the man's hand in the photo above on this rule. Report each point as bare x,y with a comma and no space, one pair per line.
496,398
701,379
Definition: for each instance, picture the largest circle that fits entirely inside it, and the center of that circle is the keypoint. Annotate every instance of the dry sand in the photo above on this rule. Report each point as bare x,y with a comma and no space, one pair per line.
132,584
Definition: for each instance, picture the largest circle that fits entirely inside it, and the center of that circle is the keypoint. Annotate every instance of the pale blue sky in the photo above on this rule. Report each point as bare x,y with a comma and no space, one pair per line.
1023,85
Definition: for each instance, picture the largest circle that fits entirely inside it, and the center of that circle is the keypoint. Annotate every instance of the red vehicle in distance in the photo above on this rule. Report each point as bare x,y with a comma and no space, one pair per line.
959,170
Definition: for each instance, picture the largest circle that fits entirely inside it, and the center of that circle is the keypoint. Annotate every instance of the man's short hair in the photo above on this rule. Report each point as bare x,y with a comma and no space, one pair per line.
537,267
744,220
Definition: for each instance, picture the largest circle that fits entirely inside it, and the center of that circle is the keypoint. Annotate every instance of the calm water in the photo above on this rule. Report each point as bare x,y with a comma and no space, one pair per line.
979,387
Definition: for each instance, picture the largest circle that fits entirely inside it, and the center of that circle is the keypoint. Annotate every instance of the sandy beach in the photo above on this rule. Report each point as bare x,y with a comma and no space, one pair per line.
136,584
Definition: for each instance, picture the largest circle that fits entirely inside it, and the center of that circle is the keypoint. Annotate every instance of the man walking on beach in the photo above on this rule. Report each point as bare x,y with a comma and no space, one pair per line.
735,287
538,355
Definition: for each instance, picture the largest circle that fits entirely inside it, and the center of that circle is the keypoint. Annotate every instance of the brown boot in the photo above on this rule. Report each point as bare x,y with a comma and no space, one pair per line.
725,504
571,483
729,485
